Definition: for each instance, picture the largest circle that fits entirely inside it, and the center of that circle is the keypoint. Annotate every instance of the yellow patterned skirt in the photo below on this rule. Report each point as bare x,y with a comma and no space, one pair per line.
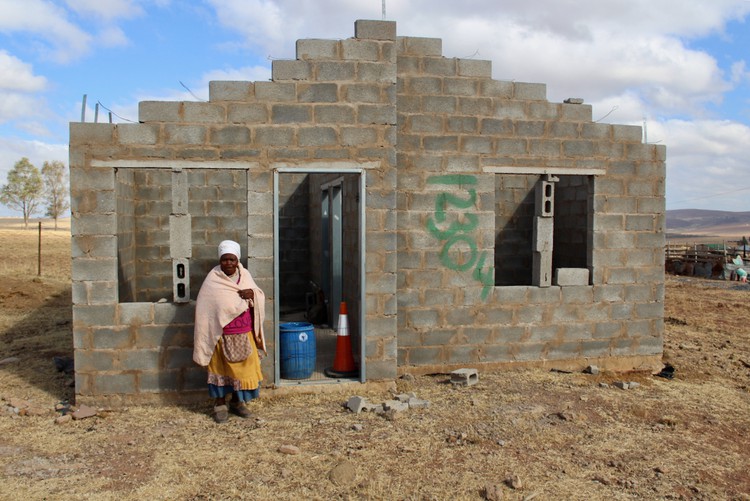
242,378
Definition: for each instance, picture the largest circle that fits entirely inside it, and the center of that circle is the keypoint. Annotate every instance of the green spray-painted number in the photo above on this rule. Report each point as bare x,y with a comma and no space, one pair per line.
453,264
487,278
459,230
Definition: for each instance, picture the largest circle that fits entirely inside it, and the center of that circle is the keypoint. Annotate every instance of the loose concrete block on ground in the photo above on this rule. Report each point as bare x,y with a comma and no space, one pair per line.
464,377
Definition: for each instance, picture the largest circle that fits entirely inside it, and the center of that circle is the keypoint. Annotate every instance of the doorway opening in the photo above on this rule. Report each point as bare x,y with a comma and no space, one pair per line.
319,264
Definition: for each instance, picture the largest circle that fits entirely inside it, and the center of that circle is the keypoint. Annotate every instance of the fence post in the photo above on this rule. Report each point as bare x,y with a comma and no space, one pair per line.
39,252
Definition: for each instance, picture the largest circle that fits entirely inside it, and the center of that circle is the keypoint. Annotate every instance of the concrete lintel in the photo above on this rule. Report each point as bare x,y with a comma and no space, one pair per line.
174,164
521,169
354,167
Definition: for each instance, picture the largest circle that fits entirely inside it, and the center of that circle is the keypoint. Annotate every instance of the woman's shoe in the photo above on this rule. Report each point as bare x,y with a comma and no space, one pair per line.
221,413
240,409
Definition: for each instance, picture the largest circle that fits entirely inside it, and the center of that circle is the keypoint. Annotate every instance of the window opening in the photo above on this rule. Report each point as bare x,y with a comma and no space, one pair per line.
543,223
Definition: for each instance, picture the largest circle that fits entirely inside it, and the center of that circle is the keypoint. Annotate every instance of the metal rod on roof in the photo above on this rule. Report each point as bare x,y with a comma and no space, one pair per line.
383,2
83,109
96,113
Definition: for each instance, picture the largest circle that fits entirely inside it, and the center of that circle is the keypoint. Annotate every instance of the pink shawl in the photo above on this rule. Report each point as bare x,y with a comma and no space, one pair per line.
218,304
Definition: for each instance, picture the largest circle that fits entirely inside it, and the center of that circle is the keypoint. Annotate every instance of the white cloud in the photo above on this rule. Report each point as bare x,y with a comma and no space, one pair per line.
247,73
16,75
106,9
62,40
706,163
112,36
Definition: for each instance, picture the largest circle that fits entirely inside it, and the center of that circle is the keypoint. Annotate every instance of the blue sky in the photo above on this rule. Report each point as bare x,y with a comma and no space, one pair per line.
679,66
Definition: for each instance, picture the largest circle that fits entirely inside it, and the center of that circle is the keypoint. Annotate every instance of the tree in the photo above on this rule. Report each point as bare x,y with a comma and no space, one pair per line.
24,189
55,180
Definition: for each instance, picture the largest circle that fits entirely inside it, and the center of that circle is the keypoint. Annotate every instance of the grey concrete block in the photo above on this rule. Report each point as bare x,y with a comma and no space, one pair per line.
138,360
357,136
360,50
362,93
180,242
93,246
576,112
113,384
627,133
317,93
497,88
335,71
103,292
475,68
179,193
381,370
440,66
250,113
578,148
203,113
274,136
464,377
94,360
185,134
571,276
231,135
169,313
439,104
290,70
99,134
179,358
375,30
93,315
395,405
137,133
135,313
317,136
290,113
460,86
95,269
225,90
159,381
159,111
318,49
111,338
529,91
476,106
94,178
421,46
275,91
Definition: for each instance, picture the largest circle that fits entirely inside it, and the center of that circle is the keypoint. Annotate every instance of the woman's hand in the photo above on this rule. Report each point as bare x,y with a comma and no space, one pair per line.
246,294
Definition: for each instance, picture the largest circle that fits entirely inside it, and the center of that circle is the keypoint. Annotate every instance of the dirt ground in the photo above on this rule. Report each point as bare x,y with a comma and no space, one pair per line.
524,434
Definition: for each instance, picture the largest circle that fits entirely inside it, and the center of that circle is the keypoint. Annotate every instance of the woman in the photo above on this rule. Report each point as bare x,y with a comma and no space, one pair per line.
230,304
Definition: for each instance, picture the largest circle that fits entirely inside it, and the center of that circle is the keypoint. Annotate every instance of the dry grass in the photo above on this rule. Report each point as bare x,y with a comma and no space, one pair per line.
562,435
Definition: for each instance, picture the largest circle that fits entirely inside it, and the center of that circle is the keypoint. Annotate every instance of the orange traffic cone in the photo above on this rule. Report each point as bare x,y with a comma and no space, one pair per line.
343,363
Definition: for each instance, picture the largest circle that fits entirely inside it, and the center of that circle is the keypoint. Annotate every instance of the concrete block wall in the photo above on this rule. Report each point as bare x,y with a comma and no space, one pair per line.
331,107
459,130
514,222
294,241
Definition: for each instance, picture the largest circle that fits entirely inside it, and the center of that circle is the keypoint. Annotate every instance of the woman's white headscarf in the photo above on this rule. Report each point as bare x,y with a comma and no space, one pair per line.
229,247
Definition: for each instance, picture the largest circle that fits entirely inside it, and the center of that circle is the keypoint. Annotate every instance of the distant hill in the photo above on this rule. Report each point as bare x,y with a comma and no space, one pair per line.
697,222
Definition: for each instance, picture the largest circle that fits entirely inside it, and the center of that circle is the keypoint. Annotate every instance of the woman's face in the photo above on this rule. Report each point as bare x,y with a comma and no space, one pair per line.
228,264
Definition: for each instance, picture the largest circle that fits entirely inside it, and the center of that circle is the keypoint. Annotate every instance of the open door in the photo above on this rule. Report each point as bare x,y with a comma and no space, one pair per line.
319,227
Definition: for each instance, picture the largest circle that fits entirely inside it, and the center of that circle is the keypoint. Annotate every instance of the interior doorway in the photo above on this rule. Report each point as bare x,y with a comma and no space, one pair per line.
318,265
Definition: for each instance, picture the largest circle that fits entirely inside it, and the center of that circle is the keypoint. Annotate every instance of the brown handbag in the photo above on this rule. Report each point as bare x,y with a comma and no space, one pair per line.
236,347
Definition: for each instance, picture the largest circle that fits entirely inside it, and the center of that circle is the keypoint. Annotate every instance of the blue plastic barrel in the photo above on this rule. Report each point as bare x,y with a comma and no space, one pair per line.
297,346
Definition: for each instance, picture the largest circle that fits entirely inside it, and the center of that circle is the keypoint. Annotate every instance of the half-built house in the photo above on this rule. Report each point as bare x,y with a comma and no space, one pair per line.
467,222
